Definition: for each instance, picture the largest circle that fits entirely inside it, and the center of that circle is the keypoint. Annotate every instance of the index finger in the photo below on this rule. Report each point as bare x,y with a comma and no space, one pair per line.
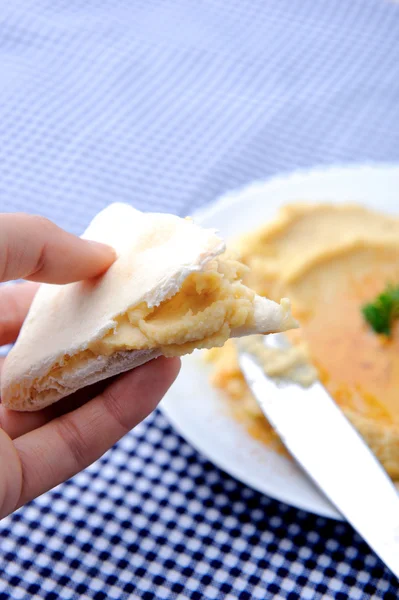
34,248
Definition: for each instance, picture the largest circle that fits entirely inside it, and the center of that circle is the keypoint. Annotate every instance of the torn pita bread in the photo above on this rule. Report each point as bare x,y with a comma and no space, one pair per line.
172,289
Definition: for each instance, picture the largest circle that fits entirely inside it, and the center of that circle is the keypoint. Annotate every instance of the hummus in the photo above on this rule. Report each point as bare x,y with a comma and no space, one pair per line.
329,260
291,363
202,314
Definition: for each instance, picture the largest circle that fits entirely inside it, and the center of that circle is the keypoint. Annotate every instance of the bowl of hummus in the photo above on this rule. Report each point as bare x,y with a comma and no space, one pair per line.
327,239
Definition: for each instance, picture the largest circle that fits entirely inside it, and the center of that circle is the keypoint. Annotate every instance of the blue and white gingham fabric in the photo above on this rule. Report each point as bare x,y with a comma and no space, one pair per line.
166,104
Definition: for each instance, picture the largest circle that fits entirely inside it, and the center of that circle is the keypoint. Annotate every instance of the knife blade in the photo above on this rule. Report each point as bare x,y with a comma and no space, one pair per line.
331,452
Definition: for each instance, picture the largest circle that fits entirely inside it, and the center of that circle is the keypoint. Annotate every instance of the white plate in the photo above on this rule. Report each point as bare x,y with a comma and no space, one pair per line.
192,405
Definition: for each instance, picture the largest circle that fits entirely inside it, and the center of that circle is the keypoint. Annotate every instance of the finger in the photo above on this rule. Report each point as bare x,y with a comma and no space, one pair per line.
67,445
15,301
34,248
16,423
10,476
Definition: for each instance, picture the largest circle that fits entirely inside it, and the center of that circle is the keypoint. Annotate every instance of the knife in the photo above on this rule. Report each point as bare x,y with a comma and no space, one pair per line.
331,452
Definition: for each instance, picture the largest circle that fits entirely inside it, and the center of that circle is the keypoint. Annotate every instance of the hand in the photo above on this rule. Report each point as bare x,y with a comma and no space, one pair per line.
41,449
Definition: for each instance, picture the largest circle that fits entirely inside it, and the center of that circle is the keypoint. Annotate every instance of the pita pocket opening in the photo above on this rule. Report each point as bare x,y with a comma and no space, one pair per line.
172,289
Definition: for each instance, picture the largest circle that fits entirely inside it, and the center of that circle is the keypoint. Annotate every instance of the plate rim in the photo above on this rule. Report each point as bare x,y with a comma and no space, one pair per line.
232,195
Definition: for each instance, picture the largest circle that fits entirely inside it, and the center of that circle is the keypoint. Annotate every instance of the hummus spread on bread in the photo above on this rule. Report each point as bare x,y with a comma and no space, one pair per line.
211,305
202,314
329,260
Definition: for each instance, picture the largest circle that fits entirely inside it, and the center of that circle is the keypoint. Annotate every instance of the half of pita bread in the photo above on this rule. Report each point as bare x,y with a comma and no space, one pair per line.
172,289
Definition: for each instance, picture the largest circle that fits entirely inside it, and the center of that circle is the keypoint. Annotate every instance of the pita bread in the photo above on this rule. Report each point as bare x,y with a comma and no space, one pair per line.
81,333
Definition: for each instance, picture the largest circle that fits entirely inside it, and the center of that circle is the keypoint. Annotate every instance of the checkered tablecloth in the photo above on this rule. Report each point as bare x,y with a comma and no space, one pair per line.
166,104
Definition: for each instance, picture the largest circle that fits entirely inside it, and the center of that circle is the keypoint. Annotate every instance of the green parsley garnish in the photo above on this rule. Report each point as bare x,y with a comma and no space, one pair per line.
381,313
